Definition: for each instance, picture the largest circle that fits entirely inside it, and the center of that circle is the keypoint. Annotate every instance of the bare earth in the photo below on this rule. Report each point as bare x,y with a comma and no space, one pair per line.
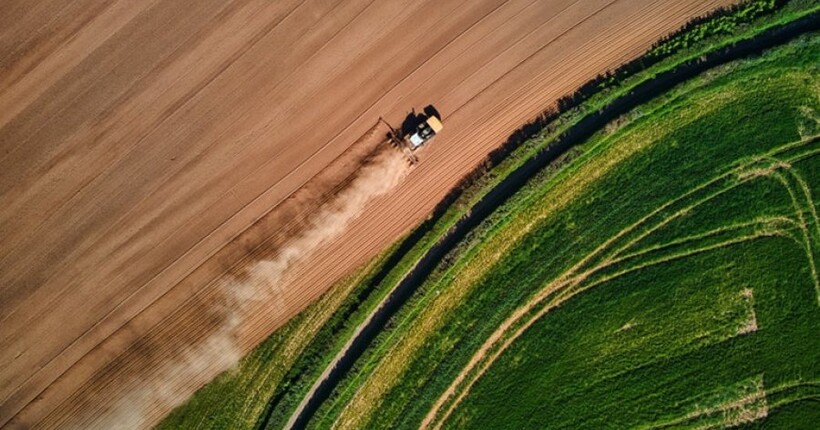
144,147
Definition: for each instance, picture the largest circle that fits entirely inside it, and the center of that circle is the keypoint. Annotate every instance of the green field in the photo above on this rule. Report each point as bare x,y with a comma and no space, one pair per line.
699,304
665,277
662,274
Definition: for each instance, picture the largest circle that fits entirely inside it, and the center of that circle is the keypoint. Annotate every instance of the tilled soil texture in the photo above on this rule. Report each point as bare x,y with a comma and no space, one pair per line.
146,149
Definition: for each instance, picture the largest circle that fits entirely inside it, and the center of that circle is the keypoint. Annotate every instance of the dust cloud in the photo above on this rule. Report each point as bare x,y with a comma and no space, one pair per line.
170,384
377,177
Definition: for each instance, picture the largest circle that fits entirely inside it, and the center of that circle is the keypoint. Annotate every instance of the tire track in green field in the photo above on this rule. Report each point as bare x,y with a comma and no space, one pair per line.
800,209
608,254
731,228
729,413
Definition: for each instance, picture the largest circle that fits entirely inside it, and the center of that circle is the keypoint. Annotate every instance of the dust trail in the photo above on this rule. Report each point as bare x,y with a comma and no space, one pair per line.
169,386
260,285
379,175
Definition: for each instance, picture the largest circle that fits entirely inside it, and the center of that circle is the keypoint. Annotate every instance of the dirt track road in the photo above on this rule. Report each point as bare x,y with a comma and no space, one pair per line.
139,140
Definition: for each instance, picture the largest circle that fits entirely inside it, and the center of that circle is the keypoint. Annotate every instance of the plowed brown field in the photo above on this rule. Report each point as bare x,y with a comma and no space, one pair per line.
140,139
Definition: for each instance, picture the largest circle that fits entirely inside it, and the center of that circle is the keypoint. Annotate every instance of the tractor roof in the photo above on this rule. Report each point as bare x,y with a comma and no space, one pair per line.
434,123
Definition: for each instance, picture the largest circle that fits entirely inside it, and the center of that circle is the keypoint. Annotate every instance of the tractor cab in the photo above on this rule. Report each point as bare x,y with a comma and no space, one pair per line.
425,131
416,130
